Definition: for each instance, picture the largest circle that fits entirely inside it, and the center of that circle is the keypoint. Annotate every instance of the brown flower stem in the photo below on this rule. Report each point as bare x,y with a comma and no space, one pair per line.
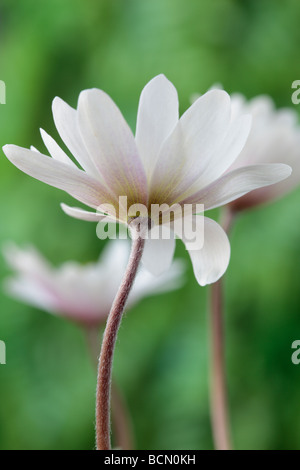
92,337
228,217
121,422
219,403
108,345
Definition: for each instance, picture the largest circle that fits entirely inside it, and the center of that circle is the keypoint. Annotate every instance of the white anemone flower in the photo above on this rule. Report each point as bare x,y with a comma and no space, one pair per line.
82,293
274,138
170,161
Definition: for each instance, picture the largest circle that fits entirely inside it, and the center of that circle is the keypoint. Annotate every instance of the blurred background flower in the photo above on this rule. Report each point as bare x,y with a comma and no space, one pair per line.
59,47
274,138
82,293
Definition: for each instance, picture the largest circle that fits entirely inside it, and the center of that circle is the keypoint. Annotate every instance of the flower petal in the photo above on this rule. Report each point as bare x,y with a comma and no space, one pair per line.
32,274
54,149
147,284
111,145
81,214
190,149
237,183
158,114
30,292
225,156
158,253
211,261
60,175
27,261
65,119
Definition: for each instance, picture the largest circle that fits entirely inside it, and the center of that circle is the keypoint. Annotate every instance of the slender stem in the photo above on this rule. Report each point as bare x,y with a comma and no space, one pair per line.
92,338
121,421
228,217
219,404
108,346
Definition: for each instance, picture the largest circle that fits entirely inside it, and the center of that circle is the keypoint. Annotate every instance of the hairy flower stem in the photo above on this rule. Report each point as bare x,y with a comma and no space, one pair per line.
121,422
219,404
108,345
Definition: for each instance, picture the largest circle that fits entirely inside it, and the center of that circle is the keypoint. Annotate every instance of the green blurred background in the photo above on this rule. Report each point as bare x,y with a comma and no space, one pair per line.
47,388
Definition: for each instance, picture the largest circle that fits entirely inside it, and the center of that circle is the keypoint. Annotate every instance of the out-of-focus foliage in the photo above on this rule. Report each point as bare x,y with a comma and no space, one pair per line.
58,47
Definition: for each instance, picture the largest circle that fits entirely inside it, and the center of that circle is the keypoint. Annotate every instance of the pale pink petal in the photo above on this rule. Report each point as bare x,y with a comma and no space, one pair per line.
192,147
65,119
211,261
54,149
81,214
27,261
157,116
111,145
60,175
158,253
31,292
237,183
115,256
32,275
147,284
225,156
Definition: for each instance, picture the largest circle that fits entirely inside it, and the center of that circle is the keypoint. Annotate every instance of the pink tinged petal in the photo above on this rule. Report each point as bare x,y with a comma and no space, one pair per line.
147,284
28,261
158,253
239,182
60,175
111,145
65,119
32,275
231,147
158,114
114,257
81,214
226,155
228,152
54,149
211,261
30,292
192,146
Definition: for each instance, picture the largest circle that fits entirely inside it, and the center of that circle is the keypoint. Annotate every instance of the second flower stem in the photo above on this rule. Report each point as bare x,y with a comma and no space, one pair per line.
103,428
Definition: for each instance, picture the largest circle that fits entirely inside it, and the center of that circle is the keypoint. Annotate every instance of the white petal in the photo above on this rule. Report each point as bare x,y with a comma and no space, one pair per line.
158,254
157,116
237,183
211,261
81,214
27,261
32,276
72,180
54,149
225,156
114,258
30,292
147,284
111,144
65,119
189,150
